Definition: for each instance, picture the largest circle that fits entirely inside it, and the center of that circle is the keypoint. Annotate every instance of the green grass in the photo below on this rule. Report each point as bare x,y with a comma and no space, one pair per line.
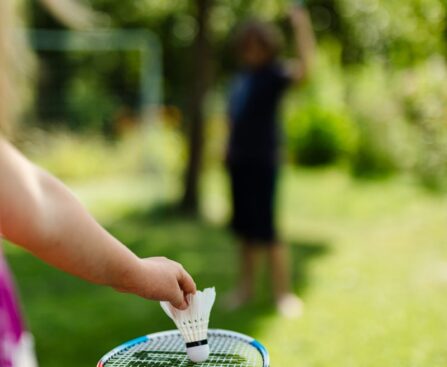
370,262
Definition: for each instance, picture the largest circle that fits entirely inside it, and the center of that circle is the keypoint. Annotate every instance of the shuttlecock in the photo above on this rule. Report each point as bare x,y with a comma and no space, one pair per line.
193,322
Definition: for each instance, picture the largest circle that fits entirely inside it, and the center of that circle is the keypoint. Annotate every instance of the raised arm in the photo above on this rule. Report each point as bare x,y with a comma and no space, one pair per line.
304,42
38,213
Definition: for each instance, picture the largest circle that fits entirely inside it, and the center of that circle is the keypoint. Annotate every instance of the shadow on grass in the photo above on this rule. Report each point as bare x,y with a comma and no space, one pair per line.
303,254
75,322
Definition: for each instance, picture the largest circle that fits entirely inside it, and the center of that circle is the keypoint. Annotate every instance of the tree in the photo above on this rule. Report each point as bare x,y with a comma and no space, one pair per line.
199,87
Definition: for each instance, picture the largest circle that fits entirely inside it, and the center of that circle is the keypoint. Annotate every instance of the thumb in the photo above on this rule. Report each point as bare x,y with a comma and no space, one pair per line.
178,300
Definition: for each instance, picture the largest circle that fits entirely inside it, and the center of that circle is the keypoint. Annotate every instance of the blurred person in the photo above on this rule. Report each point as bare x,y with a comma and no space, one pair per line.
253,151
39,214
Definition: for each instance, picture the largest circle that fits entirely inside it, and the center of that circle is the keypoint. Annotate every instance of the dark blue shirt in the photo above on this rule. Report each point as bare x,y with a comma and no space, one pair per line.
253,113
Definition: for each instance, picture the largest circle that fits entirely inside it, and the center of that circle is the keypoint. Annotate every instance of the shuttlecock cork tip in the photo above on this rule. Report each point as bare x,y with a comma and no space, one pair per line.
193,322
199,353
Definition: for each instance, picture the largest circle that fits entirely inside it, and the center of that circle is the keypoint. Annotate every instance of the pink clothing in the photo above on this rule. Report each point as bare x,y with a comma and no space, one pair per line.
11,324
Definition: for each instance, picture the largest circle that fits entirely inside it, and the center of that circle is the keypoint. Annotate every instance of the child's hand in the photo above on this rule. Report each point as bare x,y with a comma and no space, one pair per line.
161,279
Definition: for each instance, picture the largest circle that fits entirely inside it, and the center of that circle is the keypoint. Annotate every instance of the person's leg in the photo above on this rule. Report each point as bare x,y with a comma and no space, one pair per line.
241,195
279,269
250,257
287,303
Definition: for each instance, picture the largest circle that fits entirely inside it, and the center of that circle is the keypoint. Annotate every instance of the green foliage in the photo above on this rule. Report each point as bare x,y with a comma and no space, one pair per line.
375,100
156,150
90,105
401,116
320,136
385,143
380,119
404,32
319,127
86,91
423,98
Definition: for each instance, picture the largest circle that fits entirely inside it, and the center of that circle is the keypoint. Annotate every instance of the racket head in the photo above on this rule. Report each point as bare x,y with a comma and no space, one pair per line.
167,348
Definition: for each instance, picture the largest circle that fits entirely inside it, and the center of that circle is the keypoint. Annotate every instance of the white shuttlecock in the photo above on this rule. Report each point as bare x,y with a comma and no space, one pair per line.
193,322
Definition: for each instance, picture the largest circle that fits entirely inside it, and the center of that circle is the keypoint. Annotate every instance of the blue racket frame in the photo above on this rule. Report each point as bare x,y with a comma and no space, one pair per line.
253,342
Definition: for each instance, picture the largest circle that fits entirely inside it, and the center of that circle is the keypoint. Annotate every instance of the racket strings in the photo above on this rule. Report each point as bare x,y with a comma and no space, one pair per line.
167,351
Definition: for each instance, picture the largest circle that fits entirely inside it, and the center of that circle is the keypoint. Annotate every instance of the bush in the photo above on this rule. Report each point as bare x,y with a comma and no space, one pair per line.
386,142
155,150
380,119
319,136
319,127
423,94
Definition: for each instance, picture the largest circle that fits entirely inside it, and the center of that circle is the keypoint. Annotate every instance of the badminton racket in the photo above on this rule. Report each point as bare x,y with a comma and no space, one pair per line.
227,348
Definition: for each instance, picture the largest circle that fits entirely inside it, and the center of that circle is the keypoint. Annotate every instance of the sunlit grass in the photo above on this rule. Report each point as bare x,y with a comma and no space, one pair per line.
370,262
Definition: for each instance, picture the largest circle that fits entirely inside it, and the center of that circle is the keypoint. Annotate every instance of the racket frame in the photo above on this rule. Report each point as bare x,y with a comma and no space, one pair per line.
233,334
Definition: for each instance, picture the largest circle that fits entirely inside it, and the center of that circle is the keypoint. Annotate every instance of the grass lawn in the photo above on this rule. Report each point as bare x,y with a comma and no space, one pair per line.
370,262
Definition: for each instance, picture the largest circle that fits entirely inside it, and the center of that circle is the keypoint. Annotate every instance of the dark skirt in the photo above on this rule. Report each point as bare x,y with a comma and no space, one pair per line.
253,199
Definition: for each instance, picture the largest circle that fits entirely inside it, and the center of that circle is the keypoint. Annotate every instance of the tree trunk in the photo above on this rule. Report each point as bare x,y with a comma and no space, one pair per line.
199,87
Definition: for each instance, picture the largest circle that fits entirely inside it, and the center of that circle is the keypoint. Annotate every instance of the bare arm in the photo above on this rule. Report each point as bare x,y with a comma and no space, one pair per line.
40,214
304,41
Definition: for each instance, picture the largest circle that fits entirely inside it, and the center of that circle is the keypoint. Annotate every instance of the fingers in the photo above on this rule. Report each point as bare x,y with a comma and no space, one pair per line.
179,300
185,285
186,282
170,282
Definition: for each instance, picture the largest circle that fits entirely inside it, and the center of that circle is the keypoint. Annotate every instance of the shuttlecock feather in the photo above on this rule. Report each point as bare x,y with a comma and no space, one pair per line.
193,322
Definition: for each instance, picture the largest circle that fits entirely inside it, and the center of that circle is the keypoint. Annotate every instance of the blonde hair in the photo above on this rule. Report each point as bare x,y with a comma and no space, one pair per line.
16,57
75,14
15,64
